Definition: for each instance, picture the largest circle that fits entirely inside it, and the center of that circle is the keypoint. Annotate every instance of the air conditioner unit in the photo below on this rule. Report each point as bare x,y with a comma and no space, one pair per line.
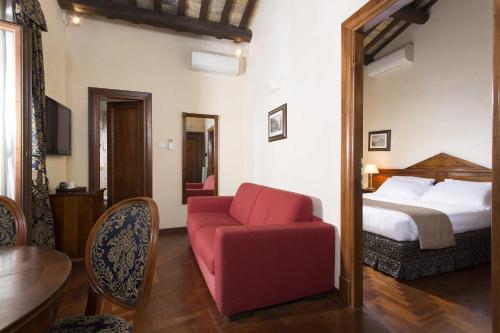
395,59
215,63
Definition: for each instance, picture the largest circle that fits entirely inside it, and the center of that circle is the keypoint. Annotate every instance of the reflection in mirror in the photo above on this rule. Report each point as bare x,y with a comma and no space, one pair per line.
10,111
200,153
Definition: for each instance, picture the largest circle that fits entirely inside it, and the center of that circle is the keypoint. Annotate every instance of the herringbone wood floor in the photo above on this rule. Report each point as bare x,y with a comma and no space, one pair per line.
180,302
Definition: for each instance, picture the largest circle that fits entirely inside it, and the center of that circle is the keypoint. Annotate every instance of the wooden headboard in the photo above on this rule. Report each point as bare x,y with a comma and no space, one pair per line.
439,167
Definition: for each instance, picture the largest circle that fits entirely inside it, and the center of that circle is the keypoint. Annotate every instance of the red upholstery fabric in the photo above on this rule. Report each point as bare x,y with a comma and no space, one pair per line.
209,183
281,207
199,193
204,246
209,204
244,202
256,266
197,221
252,253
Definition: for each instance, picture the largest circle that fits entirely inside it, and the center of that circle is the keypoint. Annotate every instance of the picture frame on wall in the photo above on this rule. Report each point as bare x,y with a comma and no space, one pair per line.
379,140
277,123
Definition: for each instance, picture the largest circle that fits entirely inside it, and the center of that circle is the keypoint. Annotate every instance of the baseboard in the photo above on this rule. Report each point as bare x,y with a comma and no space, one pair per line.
173,231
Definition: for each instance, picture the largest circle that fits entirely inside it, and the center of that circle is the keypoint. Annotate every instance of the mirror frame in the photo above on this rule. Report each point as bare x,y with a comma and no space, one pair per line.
186,115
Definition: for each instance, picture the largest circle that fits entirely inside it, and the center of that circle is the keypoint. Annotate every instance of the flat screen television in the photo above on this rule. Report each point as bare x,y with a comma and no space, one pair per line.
58,130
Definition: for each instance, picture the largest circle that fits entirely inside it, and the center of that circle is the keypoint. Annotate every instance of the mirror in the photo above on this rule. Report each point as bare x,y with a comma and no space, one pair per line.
200,151
10,111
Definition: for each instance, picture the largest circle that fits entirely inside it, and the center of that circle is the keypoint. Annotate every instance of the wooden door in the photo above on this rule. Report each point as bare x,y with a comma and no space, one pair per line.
210,151
126,151
195,149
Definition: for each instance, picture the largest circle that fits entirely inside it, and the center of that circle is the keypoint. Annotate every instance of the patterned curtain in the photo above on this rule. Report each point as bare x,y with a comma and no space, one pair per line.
30,15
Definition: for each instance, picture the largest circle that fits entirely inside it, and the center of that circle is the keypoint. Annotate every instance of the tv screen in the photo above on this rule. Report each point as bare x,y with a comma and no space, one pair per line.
58,134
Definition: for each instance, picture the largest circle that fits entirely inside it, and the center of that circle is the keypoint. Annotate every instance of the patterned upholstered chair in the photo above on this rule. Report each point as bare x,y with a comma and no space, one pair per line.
119,259
12,223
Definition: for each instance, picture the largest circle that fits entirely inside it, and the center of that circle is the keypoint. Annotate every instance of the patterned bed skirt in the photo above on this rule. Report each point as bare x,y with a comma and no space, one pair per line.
406,261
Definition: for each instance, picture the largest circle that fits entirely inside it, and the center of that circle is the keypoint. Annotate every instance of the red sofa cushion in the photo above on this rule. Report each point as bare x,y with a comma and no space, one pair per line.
209,183
204,246
244,202
281,207
197,221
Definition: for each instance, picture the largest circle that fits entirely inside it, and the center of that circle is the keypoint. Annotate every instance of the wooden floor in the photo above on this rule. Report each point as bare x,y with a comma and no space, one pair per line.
180,302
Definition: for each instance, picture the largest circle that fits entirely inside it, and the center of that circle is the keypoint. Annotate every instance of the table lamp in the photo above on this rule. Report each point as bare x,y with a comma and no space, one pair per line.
370,170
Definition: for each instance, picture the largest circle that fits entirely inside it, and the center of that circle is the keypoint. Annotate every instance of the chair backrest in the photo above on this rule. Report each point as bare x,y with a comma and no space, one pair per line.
121,254
12,223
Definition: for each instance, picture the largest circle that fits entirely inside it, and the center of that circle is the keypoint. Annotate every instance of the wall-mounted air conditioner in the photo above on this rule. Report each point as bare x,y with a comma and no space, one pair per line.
216,63
392,60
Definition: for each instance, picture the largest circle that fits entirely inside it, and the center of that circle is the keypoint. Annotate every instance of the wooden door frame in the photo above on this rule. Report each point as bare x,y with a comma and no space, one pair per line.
351,275
186,115
95,95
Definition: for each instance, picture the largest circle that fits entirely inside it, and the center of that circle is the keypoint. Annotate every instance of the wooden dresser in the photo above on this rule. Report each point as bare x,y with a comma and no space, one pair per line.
74,216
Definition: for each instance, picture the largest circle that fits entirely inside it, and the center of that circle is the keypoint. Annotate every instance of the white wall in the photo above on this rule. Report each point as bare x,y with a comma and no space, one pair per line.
298,44
116,55
55,52
442,102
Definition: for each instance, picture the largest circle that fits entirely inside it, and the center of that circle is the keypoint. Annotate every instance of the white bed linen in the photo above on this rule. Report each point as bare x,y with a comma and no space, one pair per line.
401,227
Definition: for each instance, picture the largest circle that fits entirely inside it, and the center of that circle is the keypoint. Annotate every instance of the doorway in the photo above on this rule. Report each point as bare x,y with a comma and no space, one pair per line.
120,145
351,279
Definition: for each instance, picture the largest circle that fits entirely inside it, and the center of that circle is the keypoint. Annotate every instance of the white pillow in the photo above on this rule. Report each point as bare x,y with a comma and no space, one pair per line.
414,179
463,193
403,189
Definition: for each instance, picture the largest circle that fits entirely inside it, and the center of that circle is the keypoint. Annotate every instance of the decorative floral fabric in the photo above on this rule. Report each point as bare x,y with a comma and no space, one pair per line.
406,261
120,252
7,227
92,324
29,13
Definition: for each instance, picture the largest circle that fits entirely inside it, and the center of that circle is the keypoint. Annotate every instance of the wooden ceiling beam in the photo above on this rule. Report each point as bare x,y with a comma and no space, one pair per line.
228,7
132,2
369,57
181,7
412,15
247,14
155,18
157,5
204,9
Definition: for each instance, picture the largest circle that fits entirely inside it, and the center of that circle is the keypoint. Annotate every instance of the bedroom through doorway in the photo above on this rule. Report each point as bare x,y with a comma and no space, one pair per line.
417,120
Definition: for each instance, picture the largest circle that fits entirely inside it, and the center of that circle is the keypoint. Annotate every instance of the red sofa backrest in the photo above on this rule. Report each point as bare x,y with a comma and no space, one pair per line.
209,183
244,202
256,204
275,206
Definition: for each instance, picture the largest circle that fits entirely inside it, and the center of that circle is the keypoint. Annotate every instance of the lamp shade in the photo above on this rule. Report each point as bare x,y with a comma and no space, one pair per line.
370,169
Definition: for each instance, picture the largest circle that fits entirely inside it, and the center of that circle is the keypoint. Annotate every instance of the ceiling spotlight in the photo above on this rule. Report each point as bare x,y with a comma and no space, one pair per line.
75,19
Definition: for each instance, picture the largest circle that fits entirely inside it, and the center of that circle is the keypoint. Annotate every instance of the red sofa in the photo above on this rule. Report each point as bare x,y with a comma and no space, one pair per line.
206,189
261,247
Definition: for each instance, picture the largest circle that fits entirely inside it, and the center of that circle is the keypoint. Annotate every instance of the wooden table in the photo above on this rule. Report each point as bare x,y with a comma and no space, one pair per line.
31,280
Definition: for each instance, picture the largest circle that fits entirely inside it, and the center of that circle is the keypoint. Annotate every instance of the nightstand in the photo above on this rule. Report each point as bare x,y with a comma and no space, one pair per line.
369,190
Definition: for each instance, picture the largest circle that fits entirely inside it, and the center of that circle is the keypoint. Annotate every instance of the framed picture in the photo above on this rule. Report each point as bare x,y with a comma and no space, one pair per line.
379,141
277,124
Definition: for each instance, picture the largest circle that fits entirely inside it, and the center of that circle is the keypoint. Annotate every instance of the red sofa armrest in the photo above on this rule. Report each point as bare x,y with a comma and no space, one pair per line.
190,186
257,266
200,193
209,204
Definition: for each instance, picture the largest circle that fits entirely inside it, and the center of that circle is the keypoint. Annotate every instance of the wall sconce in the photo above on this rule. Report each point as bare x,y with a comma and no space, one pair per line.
71,19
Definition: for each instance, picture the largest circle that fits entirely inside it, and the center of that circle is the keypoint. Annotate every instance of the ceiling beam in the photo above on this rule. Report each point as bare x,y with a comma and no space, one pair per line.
370,56
247,14
157,19
181,7
157,5
228,7
132,2
412,15
204,9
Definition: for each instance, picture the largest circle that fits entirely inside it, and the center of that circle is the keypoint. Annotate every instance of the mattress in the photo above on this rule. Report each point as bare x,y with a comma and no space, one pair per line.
401,227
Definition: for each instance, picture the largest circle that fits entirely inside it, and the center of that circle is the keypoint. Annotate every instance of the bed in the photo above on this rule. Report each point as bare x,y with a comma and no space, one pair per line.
392,243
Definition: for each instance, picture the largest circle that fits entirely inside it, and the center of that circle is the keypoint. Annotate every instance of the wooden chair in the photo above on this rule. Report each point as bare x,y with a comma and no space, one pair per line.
12,223
120,259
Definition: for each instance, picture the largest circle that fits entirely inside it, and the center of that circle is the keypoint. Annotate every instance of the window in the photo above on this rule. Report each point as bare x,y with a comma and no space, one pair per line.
10,111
